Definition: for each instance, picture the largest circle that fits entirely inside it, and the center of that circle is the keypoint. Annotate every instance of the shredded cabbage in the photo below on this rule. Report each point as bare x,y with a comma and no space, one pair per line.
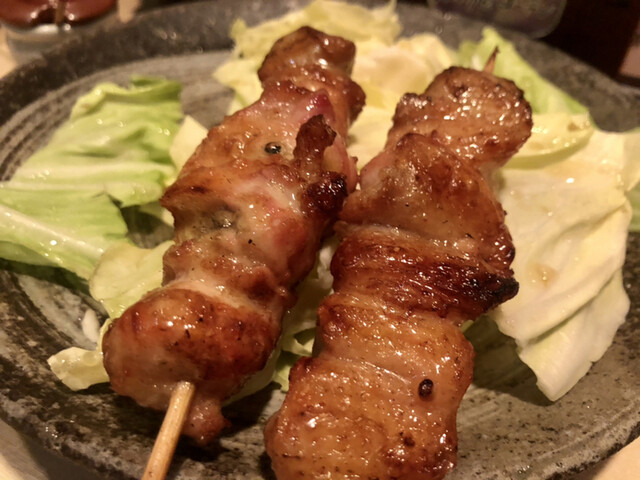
566,192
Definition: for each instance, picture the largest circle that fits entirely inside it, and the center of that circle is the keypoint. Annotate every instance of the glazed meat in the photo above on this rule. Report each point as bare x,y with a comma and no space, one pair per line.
317,64
250,208
479,116
423,249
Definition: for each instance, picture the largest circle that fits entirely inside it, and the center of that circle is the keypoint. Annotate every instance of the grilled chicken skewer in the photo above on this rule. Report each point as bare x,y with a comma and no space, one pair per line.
423,248
250,209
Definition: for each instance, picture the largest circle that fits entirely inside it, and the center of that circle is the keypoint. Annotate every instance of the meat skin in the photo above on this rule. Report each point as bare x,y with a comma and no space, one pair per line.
482,118
250,209
423,249
316,61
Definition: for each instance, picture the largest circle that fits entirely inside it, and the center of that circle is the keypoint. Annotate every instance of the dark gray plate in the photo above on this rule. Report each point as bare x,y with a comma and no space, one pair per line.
507,428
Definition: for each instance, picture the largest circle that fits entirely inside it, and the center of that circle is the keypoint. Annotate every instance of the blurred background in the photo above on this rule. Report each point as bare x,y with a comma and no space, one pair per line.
603,33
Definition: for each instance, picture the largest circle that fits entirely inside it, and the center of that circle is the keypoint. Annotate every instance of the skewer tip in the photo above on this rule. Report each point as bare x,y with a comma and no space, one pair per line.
491,61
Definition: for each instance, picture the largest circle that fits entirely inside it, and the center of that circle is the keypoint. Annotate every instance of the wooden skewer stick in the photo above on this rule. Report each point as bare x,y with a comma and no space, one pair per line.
491,61
61,8
167,439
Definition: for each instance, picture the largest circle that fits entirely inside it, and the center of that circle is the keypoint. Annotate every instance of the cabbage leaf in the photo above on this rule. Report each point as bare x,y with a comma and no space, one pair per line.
116,141
71,229
353,22
61,207
569,221
122,276
543,95
567,194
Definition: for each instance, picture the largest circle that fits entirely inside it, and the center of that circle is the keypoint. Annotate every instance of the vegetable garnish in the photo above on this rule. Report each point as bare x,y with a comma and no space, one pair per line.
60,208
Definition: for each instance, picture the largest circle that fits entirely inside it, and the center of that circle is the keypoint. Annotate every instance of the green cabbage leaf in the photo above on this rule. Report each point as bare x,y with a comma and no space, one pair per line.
566,194
62,206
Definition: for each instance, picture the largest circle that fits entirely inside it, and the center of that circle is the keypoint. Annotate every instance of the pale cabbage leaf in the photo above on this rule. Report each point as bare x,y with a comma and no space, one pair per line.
566,192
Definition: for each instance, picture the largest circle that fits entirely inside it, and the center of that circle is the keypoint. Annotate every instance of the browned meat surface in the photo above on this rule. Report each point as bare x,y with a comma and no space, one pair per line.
250,209
482,118
317,61
423,249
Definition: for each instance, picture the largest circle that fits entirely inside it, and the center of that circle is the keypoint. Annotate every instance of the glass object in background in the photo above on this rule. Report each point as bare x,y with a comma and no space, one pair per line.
535,18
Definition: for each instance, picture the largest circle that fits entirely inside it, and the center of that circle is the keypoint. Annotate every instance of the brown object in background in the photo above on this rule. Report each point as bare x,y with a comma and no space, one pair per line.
29,13
598,32
630,69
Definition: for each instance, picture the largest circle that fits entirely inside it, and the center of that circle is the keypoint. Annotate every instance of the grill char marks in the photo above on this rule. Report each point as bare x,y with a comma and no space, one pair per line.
423,249
250,209
418,276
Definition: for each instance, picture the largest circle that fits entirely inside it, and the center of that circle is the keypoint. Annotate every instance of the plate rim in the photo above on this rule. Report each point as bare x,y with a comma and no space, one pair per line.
28,75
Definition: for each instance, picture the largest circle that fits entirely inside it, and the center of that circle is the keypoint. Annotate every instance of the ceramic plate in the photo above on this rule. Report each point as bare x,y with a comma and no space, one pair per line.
507,428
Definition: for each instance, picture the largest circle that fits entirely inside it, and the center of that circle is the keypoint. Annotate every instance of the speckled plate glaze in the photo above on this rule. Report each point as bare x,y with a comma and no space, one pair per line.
507,428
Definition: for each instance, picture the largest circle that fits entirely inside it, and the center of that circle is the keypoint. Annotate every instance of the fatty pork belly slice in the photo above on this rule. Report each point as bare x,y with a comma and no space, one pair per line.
380,400
250,209
423,249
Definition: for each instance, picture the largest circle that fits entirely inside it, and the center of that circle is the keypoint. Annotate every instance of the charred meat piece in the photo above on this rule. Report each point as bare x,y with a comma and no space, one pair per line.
250,208
423,249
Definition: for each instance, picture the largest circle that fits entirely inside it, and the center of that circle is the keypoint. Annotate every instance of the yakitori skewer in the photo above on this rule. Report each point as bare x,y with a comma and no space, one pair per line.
423,249
250,208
